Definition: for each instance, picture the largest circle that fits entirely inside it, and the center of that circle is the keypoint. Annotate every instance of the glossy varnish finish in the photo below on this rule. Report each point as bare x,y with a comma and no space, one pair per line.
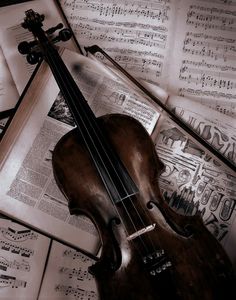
197,266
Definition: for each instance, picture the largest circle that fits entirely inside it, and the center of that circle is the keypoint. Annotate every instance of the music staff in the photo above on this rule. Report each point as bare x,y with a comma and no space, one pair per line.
18,235
205,78
76,292
11,281
207,93
211,18
157,10
219,101
76,255
23,251
121,35
78,273
215,47
7,264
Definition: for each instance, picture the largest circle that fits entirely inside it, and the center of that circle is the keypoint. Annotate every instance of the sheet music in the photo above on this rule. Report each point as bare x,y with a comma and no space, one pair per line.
135,33
23,255
204,67
191,180
67,276
8,91
190,41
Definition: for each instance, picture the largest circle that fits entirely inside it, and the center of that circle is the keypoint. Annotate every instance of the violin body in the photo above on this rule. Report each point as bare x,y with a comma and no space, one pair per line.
175,258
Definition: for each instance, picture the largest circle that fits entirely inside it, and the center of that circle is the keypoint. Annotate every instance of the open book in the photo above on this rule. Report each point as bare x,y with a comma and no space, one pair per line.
35,267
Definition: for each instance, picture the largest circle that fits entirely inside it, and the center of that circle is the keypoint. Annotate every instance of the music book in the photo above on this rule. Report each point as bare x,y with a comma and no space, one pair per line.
33,266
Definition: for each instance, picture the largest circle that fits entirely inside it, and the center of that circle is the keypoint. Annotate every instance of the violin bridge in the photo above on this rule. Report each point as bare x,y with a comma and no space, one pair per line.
141,231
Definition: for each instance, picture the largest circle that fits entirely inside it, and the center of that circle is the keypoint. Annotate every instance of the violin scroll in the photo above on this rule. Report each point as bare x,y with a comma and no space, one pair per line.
32,49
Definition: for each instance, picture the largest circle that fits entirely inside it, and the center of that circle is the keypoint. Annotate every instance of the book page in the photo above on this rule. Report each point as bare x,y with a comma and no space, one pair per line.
67,276
22,260
192,181
204,58
137,34
8,91
29,191
12,33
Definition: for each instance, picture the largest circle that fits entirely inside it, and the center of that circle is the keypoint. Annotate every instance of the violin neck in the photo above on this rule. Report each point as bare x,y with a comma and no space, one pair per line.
114,175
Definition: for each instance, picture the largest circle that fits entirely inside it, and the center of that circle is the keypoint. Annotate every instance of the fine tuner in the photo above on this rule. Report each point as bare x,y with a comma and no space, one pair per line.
32,49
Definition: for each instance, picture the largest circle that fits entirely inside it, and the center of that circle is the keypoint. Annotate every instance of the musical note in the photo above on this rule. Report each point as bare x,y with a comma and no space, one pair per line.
22,266
11,281
79,273
121,35
76,292
219,101
216,47
18,235
23,251
157,10
211,76
76,255
211,18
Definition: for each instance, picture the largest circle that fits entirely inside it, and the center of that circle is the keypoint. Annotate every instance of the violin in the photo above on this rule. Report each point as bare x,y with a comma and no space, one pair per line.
108,169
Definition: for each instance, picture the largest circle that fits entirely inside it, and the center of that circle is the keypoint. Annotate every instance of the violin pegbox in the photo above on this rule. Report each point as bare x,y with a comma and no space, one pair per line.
34,23
32,20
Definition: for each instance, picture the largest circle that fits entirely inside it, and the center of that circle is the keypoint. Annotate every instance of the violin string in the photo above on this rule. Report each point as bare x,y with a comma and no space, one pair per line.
52,62
124,206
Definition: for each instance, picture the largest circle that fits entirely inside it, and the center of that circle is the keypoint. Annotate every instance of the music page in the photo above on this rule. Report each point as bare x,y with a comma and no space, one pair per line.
22,260
192,181
67,276
203,64
185,46
137,34
8,91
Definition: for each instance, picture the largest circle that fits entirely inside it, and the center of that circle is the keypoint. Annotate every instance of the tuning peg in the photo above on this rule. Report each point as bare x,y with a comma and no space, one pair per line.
65,34
53,29
25,47
33,57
